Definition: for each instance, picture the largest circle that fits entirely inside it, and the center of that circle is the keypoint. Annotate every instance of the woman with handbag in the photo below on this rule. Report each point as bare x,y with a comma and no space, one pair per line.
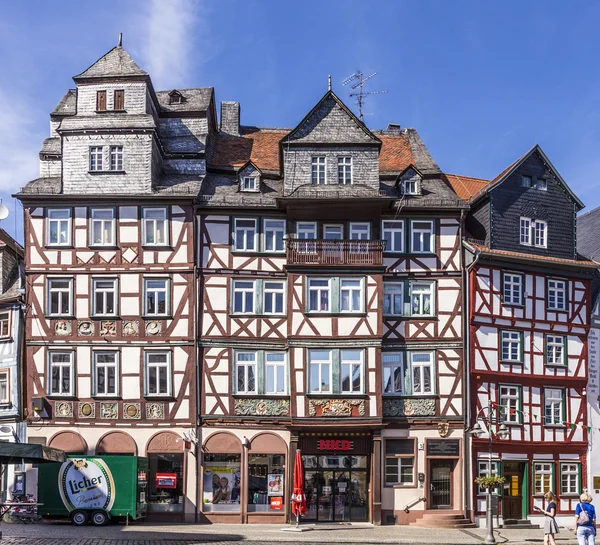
585,521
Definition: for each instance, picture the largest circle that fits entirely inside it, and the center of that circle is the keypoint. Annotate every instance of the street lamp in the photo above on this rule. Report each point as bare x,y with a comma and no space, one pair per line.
490,415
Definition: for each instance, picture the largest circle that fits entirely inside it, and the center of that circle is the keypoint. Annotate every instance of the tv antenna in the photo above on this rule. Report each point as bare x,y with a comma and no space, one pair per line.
358,80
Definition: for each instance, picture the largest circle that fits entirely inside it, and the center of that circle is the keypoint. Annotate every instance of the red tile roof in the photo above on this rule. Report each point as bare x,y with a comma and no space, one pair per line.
395,154
466,186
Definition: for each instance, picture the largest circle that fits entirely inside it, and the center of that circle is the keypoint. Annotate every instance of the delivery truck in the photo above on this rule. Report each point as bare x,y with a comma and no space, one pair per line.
94,489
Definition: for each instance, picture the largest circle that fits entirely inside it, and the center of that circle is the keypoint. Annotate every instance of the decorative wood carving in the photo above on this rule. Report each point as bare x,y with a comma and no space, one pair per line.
85,328
131,328
262,407
336,407
408,407
63,409
108,329
109,410
155,411
62,327
132,411
86,410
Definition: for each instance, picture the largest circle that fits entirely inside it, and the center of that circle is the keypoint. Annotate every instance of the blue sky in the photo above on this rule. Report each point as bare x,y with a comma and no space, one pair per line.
482,82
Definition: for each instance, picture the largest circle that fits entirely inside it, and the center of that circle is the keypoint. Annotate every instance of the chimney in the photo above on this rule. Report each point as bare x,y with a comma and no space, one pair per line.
393,128
230,118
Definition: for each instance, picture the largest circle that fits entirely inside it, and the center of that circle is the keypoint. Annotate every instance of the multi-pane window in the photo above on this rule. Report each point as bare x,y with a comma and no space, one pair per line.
360,231
421,237
410,186
421,298
556,350
60,296
344,170
317,173
244,234
399,461
4,386
539,233
320,363
408,373
103,226
485,469
96,158
351,371
273,297
275,375
243,296
155,227
525,231
119,100
512,289
351,295
104,293
249,183
533,232
557,294
156,296
100,101
158,373
245,372
393,234
306,230
333,232
509,398
393,298
116,158
4,325
526,181
106,375
61,373
319,294
274,231
542,477
553,406
511,343
569,478
59,227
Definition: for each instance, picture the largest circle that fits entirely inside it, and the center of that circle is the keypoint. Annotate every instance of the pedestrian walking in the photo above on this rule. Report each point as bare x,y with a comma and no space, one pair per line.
585,521
550,526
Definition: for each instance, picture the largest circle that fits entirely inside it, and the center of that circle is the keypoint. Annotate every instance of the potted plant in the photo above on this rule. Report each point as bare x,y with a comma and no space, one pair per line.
490,481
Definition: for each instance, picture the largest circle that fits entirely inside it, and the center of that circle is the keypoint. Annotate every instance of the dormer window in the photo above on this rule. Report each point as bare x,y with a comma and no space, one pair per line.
119,100
409,187
345,170
248,183
175,97
410,181
317,173
101,101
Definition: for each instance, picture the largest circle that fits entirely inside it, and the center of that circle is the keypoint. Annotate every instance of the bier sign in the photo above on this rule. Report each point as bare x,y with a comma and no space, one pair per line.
444,447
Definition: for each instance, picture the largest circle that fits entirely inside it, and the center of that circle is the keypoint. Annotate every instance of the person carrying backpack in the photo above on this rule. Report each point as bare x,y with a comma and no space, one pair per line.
585,521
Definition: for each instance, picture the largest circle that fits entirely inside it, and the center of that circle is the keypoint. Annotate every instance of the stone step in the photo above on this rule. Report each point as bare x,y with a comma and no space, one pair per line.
431,521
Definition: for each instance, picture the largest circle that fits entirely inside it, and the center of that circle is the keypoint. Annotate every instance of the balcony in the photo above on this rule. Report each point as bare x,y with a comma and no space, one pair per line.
323,253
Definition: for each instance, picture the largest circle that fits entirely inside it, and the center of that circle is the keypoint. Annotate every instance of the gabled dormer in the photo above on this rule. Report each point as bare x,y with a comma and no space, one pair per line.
409,181
175,97
249,178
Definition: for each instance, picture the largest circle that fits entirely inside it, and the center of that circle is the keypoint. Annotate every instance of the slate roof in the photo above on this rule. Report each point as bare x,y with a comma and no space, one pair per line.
588,234
223,190
116,63
51,146
195,100
466,186
42,186
67,104
107,121
11,293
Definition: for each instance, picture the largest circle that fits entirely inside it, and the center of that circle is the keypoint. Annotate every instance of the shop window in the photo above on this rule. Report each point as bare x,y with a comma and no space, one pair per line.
166,483
221,482
543,477
399,462
570,479
266,483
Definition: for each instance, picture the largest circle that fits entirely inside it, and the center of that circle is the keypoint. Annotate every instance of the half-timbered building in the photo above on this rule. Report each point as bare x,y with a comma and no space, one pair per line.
528,302
330,298
110,338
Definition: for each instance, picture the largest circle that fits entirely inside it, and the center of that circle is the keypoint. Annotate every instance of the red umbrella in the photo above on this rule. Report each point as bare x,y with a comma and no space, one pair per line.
298,496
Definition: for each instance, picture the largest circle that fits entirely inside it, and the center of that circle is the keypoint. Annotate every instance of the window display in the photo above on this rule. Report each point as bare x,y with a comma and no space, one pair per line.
266,482
165,483
222,482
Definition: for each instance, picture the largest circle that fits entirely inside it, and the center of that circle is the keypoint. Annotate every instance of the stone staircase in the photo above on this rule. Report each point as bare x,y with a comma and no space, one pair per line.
519,524
443,519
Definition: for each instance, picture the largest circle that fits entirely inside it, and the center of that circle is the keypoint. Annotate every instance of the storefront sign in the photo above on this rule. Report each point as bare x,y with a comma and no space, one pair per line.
166,480
436,447
335,444
349,443
277,503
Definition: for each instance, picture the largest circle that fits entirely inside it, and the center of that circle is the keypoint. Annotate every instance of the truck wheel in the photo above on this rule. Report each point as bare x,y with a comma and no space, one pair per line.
79,518
99,518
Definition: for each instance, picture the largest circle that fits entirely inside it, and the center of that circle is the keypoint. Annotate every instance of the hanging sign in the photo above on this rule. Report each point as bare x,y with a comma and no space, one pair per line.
166,480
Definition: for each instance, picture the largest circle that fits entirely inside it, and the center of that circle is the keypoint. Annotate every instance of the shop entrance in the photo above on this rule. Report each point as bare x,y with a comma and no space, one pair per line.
512,498
336,488
440,483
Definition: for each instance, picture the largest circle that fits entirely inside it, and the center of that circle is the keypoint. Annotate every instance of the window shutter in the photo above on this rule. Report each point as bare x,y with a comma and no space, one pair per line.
119,99
101,101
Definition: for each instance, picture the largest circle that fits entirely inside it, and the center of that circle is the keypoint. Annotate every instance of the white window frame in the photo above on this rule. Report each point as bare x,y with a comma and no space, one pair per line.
391,290
554,402
334,229
512,288
352,364
116,159
5,324
63,224
421,289
556,350
5,378
96,154
345,170
269,291
249,183
572,471
525,231
249,235
167,364
420,368
545,470
103,223
541,184
304,228
400,462
511,339
275,365
106,365
320,290
318,170
556,288
151,226
357,286
410,186
104,290
243,287
61,295
155,290
392,231
425,234
317,365
483,468
359,231
509,398
61,366
273,226
392,363
540,233
245,367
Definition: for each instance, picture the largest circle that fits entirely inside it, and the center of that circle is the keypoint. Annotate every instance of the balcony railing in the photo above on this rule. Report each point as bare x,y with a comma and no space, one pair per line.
335,252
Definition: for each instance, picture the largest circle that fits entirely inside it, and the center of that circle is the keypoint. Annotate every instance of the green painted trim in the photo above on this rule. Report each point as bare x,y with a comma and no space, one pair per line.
260,372
525,491
336,386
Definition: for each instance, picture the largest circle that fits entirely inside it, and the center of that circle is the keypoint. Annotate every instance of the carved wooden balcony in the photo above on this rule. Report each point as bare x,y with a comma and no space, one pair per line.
355,253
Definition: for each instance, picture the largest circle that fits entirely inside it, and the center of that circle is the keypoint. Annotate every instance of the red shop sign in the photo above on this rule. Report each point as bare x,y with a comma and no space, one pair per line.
335,444
166,480
276,503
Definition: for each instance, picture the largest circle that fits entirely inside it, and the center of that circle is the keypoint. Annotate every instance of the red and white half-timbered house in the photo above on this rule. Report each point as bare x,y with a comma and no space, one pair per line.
330,298
110,286
529,306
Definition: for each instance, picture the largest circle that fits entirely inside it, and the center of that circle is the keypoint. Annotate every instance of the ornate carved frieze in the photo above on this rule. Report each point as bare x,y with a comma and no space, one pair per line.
108,329
336,407
85,328
153,327
86,409
262,407
109,410
62,327
155,411
63,409
131,328
408,407
132,411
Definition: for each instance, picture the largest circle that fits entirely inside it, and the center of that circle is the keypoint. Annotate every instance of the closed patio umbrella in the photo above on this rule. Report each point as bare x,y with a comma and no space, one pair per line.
298,496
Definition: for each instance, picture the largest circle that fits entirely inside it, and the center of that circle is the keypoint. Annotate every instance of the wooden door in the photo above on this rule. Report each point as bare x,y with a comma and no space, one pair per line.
512,500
